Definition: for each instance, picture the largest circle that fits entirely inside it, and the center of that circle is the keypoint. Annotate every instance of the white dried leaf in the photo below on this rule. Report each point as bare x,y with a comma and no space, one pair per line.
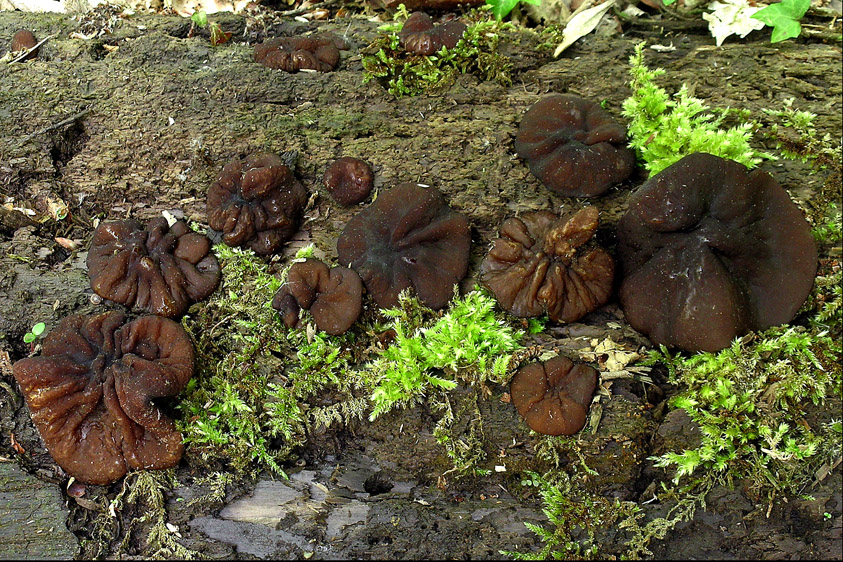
731,17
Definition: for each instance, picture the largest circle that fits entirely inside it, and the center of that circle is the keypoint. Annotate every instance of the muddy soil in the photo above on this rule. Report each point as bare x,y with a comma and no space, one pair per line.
141,119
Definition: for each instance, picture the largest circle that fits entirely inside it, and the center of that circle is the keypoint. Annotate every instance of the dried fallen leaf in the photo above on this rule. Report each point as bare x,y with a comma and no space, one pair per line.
15,445
581,25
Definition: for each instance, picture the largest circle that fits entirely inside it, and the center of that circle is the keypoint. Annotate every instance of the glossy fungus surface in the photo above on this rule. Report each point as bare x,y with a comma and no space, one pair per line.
94,393
349,180
710,251
573,146
160,269
543,263
421,36
256,202
553,396
22,40
292,54
408,237
334,296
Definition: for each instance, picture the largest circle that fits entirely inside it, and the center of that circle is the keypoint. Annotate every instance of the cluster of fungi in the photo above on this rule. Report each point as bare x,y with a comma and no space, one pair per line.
707,252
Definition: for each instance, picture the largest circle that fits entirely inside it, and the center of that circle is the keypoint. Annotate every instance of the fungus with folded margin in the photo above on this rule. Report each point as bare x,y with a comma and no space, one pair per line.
349,180
553,396
543,263
421,36
292,54
160,269
573,146
334,296
408,237
256,202
94,389
710,251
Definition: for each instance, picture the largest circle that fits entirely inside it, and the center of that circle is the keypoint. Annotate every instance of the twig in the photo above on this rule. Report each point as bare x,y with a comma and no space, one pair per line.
67,121
26,54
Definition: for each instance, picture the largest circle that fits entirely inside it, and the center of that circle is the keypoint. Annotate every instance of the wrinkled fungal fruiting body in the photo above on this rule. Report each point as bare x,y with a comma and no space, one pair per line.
160,269
553,396
334,296
256,203
573,146
710,251
292,54
93,393
407,238
546,264
421,36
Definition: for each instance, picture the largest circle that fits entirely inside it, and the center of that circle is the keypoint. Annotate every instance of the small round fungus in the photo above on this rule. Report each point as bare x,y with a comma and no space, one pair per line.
543,263
292,54
709,251
334,296
408,237
256,203
94,393
349,180
553,396
23,40
421,36
573,146
160,269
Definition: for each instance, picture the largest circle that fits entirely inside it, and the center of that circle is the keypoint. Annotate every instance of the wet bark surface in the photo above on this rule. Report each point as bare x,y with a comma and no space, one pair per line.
141,120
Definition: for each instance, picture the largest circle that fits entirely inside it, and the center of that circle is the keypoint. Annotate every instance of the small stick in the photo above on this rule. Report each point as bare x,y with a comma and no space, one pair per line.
62,123
26,54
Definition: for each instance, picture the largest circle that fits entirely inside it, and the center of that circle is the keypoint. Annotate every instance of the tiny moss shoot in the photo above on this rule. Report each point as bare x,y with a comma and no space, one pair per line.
663,129
406,74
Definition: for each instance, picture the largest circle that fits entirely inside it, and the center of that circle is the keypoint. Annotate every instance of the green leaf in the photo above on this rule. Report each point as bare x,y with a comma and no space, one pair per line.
783,18
29,337
200,18
500,8
38,329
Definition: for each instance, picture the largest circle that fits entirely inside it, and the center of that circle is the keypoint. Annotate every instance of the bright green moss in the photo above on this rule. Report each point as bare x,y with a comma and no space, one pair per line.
663,129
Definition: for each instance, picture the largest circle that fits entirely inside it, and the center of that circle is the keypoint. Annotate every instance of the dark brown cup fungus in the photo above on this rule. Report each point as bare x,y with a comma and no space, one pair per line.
93,391
160,269
421,37
23,40
256,203
553,397
333,296
408,237
292,54
573,146
546,264
709,251
349,180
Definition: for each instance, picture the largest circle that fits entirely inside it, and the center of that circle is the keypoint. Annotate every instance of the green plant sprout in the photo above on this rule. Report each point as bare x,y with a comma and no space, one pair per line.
34,333
200,19
501,8
406,74
784,18
663,129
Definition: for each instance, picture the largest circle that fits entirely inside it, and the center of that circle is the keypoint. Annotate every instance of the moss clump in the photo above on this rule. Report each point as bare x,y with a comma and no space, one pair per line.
139,507
468,343
259,387
406,74
663,129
